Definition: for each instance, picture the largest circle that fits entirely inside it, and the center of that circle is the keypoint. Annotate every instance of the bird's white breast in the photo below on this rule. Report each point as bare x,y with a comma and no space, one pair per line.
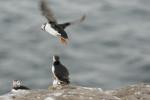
55,82
53,69
51,30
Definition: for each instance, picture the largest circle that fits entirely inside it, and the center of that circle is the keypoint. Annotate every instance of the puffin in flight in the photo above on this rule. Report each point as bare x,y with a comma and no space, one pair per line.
60,72
54,28
16,85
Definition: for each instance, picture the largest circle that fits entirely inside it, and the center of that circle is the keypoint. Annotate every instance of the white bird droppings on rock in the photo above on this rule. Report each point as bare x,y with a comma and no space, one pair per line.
109,92
116,98
49,98
148,86
56,94
137,93
100,89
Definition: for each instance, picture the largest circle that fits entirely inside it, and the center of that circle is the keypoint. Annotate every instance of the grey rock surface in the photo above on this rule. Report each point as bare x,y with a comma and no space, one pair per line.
133,92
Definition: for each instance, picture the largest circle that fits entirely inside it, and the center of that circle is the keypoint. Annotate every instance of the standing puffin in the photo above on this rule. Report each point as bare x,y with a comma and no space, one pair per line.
52,27
60,72
17,86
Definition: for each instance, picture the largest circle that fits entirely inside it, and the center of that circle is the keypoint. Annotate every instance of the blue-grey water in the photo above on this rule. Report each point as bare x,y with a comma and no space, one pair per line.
110,49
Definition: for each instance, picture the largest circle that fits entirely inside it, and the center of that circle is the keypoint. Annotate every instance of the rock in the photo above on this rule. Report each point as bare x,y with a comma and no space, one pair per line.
133,92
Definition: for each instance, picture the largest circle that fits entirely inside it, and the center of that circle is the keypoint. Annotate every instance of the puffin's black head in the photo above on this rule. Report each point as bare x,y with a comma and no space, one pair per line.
55,58
16,83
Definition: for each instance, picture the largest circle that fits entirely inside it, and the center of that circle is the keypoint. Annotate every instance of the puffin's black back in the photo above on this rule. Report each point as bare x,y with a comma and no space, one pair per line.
61,72
21,88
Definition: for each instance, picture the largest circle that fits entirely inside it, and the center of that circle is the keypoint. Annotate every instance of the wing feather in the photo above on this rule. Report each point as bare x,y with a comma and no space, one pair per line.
66,24
61,73
47,12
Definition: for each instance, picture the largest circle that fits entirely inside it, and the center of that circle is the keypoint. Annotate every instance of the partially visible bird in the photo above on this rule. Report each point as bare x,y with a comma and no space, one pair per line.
60,72
52,27
16,85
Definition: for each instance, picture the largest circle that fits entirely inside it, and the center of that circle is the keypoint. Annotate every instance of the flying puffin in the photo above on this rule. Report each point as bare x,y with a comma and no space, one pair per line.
60,72
17,86
54,28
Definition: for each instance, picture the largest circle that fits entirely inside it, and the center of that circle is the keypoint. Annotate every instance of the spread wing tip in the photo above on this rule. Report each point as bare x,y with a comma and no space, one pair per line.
46,11
81,19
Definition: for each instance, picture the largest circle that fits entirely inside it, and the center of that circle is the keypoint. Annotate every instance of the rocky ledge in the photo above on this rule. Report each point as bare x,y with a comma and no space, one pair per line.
133,92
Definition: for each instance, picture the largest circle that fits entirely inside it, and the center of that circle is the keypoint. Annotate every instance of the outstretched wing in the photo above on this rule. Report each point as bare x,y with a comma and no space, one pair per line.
47,12
64,25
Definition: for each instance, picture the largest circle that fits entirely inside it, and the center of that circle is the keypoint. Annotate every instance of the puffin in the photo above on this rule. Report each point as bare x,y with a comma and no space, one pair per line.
52,26
60,72
16,85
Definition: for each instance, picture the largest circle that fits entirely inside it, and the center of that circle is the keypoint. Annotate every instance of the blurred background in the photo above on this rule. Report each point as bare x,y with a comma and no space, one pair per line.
110,49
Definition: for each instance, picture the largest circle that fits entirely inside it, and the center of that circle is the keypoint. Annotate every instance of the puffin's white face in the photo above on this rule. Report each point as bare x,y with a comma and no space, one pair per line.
16,83
43,26
55,58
